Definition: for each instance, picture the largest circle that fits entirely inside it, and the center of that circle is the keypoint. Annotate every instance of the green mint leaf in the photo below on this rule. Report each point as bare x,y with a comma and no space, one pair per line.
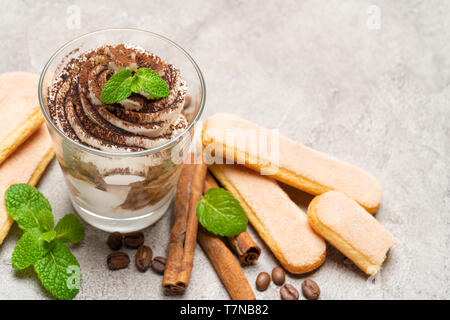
59,271
148,81
28,207
40,246
117,88
29,249
70,229
48,236
221,213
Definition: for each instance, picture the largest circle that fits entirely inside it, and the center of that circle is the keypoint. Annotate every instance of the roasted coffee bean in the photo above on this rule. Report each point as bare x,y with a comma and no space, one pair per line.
159,264
143,258
114,240
117,260
278,276
288,292
262,281
310,289
134,240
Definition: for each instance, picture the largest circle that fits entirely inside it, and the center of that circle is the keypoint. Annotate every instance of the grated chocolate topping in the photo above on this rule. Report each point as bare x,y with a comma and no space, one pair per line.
133,124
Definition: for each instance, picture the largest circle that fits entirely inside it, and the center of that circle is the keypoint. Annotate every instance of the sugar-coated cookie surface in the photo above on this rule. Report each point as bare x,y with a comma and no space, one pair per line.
279,221
25,165
297,165
20,115
351,229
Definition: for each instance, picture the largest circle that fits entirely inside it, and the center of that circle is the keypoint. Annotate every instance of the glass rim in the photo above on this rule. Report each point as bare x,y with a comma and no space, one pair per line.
131,153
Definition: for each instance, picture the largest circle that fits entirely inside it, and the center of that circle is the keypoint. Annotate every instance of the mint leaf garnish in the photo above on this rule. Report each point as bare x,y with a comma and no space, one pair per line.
48,236
42,247
28,207
70,229
148,81
144,81
221,213
55,270
29,249
117,88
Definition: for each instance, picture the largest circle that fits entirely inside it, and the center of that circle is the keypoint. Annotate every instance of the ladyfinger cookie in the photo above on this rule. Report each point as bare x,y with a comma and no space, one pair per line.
288,161
349,228
280,223
26,164
20,115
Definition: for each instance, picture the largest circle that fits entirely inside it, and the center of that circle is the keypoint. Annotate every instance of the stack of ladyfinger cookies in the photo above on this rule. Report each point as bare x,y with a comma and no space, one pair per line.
25,145
341,213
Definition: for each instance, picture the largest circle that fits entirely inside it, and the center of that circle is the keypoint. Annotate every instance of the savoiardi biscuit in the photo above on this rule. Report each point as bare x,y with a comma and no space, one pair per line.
288,161
25,165
351,229
280,222
20,115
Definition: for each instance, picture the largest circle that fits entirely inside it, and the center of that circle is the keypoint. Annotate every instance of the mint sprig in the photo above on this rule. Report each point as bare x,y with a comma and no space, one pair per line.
42,246
117,88
29,208
30,248
221,213
148,81
59,271
145,81
69,229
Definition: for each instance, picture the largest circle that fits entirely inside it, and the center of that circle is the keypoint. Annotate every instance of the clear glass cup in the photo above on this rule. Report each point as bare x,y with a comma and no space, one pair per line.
117,191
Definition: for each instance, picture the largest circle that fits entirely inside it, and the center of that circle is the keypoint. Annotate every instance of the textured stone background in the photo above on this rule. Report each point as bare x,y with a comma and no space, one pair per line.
378,98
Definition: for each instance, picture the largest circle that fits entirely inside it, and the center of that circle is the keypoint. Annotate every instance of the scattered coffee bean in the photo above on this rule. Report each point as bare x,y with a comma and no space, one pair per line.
143,258
114,240
278,276
117,260
310,289
134,240
288,292
262,281
159,264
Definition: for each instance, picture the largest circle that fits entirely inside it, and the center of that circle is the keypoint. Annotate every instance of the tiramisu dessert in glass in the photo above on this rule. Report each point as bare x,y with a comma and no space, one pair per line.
121,158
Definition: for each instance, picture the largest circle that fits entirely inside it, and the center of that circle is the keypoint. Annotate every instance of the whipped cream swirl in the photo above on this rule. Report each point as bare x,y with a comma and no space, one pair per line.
133,124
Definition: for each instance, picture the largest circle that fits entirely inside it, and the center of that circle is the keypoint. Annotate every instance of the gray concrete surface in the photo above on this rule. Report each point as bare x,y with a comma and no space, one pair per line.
325,73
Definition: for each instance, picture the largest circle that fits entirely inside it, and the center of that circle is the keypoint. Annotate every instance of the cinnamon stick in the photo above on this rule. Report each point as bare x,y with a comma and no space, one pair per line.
243,244
245,247
226,266
183,237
